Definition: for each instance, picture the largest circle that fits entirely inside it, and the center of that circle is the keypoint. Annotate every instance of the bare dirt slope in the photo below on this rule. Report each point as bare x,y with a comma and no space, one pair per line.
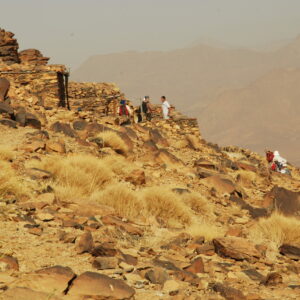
265,114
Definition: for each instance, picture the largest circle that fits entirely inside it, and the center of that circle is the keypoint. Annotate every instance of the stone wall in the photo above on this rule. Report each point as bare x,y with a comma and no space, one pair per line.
34,85
101,98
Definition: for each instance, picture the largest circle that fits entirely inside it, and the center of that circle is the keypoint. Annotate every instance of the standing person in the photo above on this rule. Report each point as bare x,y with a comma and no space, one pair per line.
146,108
165,107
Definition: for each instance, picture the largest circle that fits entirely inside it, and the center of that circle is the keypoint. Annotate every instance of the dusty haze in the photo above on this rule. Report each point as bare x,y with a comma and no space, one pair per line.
228,57
69,31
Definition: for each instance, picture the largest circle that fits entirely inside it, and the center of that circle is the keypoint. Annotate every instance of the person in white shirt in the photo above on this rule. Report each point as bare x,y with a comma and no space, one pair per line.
165,107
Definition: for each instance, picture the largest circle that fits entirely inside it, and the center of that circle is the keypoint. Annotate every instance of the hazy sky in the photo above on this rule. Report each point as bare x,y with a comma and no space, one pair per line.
69,31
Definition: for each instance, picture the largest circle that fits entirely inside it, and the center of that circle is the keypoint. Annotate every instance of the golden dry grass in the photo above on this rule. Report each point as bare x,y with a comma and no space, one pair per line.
206,229
119,196
7,153
118,164
198,203
113,140
166,206
10,182
76,176
277,229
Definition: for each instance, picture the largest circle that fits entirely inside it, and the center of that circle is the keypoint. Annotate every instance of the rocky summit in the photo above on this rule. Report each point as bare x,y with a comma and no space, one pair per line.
93,207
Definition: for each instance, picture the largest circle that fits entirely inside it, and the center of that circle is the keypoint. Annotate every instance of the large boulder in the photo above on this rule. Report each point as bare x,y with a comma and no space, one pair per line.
23,293
53,280
283,200
98,285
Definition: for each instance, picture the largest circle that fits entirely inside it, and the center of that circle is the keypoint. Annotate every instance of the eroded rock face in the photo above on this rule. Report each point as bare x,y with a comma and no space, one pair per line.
33,57
95,284
236,248
8,47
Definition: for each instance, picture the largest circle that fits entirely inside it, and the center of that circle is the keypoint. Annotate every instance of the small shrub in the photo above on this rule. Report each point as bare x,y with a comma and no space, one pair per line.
198,203
278,229
166,206
10,183
125,202
206,229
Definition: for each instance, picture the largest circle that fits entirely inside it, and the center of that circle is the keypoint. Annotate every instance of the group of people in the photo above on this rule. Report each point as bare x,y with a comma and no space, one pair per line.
277,163
145,110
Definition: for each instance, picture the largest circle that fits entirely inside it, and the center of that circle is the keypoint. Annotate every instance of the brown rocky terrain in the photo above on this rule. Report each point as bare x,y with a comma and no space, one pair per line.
90,209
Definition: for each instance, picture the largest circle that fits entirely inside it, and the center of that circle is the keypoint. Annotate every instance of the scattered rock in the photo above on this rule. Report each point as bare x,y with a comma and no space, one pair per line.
64,128
228,293
273,279
9,123
136,177
85,243
99,285
10,262
36,173
103,263
197,266
236,248
58,147
171,286
157,275
110,220
23,293
290,251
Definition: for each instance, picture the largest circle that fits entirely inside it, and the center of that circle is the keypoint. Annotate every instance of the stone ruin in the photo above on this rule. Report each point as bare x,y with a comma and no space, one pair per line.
35,82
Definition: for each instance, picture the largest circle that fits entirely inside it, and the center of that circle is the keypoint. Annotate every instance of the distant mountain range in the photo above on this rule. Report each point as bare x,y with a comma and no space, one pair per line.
265,114
196,81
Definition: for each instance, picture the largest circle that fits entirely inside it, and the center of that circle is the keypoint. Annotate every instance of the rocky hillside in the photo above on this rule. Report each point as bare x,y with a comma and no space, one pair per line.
94,210
90,209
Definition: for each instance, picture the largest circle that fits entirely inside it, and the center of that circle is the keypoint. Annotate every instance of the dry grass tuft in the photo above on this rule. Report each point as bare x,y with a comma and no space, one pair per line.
198,203
10,183
118,164
166,206
206,229
125,202
76,176
277,229
113,140
7,153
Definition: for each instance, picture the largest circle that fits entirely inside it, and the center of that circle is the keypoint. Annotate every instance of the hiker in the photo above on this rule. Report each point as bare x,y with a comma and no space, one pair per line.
281,163
124,109
146,108
165,107
269,156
